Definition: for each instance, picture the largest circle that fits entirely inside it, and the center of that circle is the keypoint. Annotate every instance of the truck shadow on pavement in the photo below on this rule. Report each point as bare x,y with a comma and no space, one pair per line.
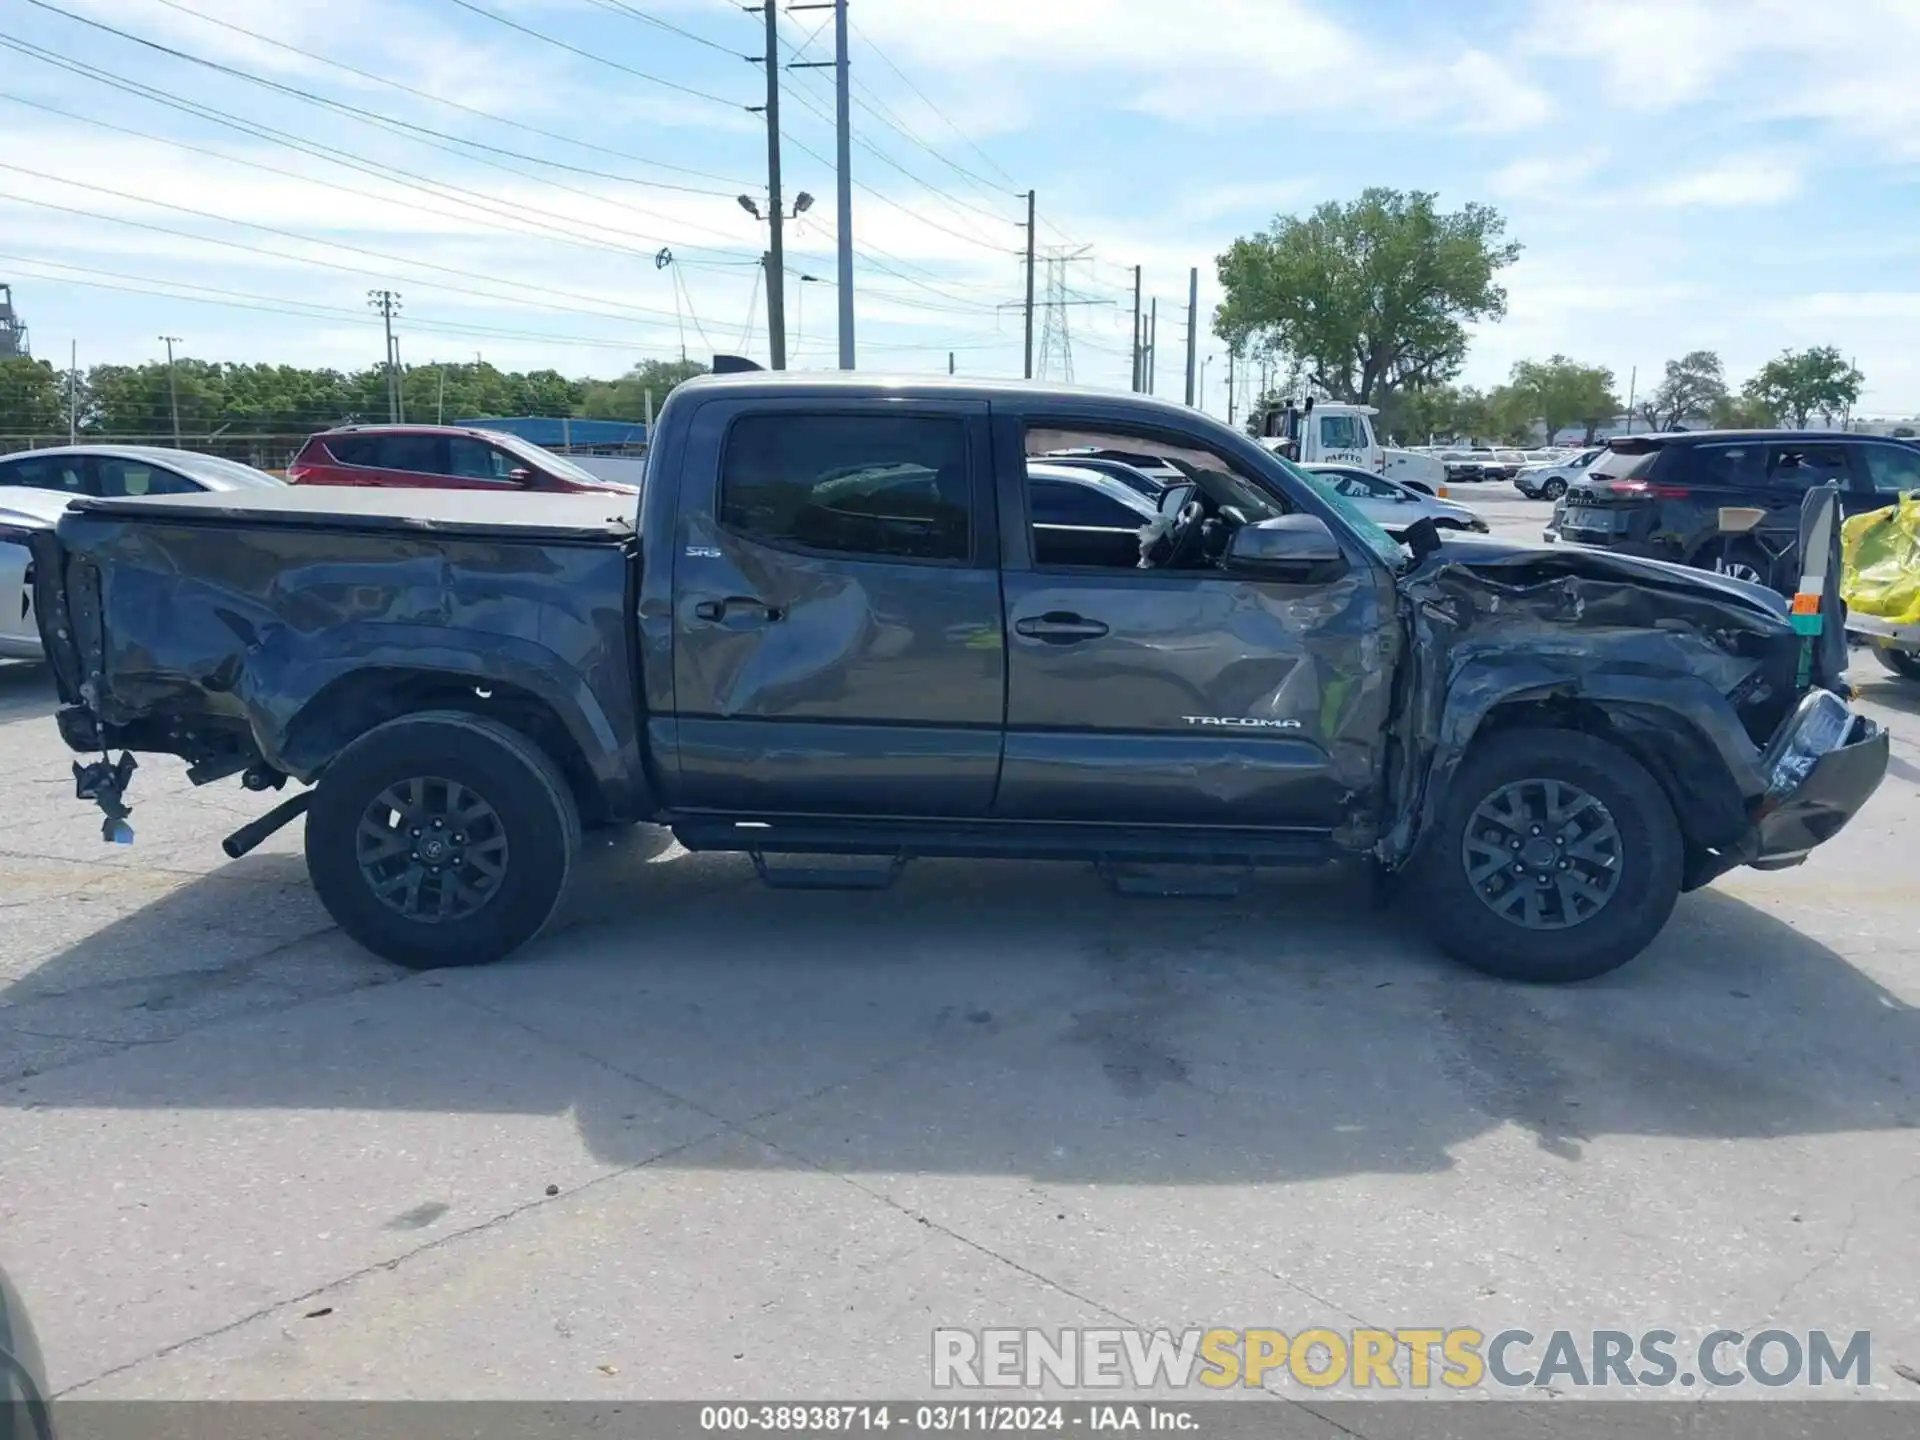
26,691
980,1018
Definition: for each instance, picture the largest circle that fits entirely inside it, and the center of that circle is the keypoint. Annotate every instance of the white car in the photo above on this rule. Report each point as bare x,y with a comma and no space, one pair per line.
118,470
1550,482
22,512
1391,505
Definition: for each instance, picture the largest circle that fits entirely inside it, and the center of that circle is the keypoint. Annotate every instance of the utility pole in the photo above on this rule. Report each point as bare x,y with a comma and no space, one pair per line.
399,390
1231,357
1029,371
949,362
1153,343
1193,328
386,302
1633,385
1136,329
173,390
440,403
843,127
776,210
73,393
843,119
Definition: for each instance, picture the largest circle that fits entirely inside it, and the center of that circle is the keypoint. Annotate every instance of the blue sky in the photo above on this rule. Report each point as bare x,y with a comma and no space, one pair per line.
1729,174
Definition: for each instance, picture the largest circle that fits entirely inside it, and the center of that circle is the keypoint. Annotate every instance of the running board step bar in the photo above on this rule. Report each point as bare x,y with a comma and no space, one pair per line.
899,840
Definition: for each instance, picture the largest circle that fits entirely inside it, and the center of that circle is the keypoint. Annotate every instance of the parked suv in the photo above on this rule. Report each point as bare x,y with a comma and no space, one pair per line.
1728,500
437,457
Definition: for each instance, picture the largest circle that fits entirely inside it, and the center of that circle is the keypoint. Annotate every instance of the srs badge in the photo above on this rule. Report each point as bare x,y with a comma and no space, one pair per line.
1236,723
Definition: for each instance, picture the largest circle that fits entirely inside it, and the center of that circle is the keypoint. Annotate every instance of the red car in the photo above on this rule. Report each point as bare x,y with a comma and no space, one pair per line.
443,457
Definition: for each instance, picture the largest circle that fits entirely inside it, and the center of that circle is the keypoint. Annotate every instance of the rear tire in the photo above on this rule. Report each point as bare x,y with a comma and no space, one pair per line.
1903,663
472,794
1554,488
1739,560
1478,908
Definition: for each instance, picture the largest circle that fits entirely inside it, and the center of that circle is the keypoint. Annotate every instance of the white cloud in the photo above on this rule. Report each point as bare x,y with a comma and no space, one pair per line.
1849,64
1206,60
1741,180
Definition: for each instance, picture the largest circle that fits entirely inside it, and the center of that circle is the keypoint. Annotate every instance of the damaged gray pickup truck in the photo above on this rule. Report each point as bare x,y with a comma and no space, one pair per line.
846,620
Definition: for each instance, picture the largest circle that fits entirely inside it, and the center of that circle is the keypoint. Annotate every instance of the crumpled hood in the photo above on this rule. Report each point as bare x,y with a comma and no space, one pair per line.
1518,562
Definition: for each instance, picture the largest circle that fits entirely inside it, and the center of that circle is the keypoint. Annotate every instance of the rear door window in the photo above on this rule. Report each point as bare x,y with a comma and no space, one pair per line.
1802,467
1727,467
1893,469
868,486
354,449
423,454
65,473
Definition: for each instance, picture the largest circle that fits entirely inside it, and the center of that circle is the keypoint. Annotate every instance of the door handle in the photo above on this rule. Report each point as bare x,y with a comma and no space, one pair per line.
1059,627
721,609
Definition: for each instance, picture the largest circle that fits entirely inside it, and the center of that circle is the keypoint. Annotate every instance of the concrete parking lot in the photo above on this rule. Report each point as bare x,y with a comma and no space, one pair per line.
704,1139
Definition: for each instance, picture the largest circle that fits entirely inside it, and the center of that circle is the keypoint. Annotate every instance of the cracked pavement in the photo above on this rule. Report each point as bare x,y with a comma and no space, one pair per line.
704,1140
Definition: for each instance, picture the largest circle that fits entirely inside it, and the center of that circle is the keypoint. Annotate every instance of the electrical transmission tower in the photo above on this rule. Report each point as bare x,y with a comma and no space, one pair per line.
1056,344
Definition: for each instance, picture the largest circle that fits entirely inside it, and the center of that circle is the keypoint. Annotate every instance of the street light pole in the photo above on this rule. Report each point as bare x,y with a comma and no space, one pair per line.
173,390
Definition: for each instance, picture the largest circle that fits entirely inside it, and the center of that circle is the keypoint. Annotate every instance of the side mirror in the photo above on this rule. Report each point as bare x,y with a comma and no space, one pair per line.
1291,549
520,475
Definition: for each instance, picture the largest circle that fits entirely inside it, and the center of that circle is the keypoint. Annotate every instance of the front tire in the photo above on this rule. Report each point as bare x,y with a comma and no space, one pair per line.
1554,857
1554,488
441,839
1903,663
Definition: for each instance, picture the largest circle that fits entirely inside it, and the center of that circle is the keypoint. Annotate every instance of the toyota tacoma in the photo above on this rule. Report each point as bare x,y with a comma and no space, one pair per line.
831,624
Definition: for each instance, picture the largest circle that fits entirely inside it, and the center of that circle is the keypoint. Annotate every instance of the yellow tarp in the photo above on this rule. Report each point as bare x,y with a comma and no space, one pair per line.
1881,554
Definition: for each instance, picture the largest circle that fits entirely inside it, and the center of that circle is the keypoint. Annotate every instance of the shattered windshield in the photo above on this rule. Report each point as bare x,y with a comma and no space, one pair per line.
1390,551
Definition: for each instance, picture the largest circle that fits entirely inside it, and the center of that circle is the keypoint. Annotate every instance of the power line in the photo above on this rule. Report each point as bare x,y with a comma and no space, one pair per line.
884,59
399,127
431,98
886,199
586,55
632,12
426,186
299,309
600,303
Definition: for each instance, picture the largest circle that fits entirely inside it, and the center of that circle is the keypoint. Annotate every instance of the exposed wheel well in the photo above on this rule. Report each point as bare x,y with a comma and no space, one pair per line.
354,704
1711,811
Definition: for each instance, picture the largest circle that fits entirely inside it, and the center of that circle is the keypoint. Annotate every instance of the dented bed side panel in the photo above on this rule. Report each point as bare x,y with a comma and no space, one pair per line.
246,627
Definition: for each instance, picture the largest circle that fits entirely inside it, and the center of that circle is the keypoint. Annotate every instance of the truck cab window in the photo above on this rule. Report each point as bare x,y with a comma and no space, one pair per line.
869,486
1341,432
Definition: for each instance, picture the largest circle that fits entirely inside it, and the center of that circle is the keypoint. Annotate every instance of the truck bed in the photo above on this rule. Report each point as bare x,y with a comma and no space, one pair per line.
478,514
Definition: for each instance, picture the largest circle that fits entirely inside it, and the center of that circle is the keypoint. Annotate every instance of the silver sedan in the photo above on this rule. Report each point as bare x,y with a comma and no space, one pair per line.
1393,506
22,511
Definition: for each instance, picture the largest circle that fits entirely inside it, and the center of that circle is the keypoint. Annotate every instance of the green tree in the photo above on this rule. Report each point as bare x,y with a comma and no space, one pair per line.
1560,392
1796,385
31,398
1693,385
1371,295
626,398
1742,412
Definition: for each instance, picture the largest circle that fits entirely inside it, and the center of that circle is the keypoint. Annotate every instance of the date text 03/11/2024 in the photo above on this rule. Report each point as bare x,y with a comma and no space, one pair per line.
937,1419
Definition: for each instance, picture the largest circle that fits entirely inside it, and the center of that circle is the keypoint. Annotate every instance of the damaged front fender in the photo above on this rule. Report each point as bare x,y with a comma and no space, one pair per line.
1689,673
